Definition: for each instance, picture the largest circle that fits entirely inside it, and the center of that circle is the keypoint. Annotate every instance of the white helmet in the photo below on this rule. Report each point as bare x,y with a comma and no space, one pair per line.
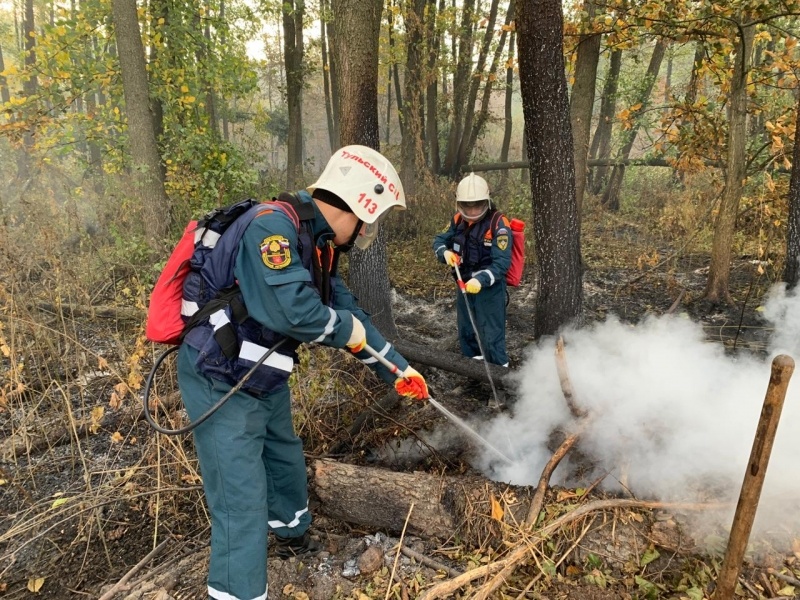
473,189
367,183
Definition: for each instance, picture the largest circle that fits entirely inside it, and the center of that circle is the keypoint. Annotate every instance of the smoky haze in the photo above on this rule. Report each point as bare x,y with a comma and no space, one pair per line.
671,416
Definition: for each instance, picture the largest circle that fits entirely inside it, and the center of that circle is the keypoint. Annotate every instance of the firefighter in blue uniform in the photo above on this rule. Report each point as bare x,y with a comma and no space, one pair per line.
251,461
479,241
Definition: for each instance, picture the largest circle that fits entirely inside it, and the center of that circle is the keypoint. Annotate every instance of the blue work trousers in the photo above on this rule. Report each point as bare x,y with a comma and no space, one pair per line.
489,309
254,478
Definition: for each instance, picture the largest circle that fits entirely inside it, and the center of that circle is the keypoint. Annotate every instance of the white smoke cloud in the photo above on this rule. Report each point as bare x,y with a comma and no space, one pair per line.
672,416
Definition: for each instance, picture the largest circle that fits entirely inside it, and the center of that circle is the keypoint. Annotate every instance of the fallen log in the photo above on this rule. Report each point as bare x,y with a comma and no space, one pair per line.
454,363
444,506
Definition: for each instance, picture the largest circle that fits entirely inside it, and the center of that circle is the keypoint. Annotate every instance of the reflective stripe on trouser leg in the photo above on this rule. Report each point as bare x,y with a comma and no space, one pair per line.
229,446
285,466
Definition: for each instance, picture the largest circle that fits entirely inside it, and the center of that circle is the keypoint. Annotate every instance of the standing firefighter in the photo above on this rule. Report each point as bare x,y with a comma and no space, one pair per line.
286,292
479,241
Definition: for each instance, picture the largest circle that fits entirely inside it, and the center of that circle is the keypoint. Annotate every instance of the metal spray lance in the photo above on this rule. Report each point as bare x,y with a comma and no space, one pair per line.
393,368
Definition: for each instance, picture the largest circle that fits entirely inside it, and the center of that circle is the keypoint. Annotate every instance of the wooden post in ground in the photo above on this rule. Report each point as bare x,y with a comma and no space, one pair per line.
782,368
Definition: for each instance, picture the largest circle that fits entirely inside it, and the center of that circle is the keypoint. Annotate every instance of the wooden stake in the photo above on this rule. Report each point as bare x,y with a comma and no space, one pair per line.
782,368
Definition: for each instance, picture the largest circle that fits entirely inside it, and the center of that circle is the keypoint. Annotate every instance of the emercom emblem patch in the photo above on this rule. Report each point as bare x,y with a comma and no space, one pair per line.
502,242
276,252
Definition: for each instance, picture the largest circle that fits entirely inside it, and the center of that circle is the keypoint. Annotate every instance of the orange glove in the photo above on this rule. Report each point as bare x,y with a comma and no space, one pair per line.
451,258
358,337
412,384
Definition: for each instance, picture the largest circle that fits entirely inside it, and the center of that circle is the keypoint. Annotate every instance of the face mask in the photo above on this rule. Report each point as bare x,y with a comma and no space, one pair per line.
370,232
473,211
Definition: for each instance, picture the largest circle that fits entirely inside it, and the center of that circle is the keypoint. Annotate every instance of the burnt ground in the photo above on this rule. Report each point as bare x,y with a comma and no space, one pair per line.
77,514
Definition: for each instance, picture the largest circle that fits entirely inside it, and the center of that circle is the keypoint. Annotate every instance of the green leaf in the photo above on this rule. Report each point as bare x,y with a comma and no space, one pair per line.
649,556
695,593
59,501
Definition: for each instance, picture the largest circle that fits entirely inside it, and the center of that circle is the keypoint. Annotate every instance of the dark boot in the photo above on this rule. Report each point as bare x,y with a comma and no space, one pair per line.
303,545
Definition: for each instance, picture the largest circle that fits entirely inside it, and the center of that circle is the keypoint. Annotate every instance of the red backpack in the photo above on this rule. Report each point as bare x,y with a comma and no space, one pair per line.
514,273
165,325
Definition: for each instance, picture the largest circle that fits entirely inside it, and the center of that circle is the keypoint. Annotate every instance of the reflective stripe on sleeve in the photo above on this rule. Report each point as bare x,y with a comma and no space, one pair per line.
489,273
383,352
328,326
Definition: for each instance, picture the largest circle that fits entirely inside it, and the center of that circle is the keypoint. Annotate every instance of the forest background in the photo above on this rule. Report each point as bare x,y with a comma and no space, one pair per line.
123,120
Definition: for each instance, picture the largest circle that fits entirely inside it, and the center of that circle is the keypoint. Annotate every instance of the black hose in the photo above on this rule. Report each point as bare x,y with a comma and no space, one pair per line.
149,384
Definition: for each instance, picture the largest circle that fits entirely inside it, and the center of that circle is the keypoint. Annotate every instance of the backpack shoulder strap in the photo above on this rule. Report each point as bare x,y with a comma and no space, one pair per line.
496,216
304,211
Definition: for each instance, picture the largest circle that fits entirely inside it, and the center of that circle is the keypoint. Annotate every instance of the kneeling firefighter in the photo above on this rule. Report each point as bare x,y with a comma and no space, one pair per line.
285,291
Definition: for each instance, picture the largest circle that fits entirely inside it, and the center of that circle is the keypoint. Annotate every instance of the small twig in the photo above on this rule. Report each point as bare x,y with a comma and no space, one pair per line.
566,384
676,304
541,489
787,578
182,553
749,587
446,588
152,554
399,547
544,481
564,557
421,558
764,578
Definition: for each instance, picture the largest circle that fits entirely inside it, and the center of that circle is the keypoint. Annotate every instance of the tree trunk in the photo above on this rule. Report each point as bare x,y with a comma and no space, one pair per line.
412,151
582,101
357,32
601,142
30,85
158,52
369,281
223,41
293,60
432,92
203,54
390,35
475,80
791,268
611,195
460,85
720,268
330,117
556,227
5,95
483,113
509,100
145,159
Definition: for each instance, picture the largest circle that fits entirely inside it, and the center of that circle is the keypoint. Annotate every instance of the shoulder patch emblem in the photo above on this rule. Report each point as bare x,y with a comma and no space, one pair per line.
276,253
502,242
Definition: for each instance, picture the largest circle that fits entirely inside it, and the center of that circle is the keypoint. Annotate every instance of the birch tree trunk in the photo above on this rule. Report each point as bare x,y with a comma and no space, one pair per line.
601,142
791,269
293,59
719,272
146,164
611,195
582,101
